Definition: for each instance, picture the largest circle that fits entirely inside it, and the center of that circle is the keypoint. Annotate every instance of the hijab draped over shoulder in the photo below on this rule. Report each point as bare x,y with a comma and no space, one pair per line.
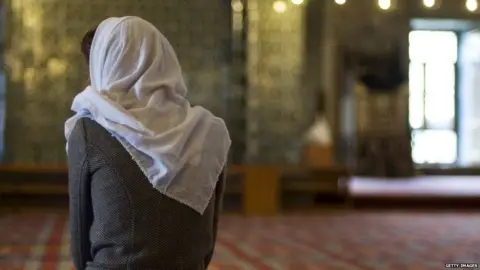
137,93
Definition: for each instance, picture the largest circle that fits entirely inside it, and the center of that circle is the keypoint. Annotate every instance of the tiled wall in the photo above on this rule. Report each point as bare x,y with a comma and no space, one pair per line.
284,70
45,69
279,105
268,118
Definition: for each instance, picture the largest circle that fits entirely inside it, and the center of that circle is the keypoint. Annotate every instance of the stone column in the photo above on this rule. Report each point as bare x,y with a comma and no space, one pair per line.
237,96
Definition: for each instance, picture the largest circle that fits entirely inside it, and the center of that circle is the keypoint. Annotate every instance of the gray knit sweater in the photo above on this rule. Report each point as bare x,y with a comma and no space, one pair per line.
119,221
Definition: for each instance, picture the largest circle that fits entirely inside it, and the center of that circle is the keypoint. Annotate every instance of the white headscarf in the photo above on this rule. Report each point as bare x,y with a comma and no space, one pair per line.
137,93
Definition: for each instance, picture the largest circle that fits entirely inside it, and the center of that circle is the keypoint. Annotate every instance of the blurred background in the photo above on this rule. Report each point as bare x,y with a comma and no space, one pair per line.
354,126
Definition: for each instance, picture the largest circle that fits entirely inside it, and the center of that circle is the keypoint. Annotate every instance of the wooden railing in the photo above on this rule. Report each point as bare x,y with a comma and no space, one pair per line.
261,185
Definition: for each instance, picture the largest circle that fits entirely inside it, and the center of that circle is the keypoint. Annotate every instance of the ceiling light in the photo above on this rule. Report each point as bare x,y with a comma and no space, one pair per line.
471,5
429,3
384,4
279,6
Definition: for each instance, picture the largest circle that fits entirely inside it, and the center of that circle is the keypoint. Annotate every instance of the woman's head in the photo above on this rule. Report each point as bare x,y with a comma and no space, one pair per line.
87,44
130,54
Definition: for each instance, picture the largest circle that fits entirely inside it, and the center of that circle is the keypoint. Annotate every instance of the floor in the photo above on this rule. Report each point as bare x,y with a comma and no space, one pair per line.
329,240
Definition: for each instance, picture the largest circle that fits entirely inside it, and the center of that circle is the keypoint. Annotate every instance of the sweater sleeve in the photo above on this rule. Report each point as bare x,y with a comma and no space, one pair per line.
81,213
219,190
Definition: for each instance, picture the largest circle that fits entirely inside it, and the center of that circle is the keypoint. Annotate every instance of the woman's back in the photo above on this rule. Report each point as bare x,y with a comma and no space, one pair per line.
119,221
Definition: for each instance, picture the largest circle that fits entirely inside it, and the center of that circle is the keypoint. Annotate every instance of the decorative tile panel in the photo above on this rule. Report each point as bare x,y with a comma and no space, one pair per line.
276,99
46,69
383,137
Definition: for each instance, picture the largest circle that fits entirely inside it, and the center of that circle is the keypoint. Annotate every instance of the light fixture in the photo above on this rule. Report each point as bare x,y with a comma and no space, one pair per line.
385,4
237,6
429,3
340,2
279,6
297,2
471,5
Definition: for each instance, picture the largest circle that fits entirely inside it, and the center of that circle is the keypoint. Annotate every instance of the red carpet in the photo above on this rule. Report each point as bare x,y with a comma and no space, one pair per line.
328,241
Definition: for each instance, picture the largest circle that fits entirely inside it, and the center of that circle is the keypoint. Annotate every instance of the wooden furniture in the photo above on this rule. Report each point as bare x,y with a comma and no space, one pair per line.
261,190
259,187
314,188
315,180
318,156
33,180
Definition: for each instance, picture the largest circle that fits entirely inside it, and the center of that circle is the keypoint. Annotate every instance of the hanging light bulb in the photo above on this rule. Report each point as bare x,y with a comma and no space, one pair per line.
340,2
279,6
385,4
297,2
471,5
429,3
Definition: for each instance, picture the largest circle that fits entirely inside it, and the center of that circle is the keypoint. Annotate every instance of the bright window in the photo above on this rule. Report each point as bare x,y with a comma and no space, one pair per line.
433,55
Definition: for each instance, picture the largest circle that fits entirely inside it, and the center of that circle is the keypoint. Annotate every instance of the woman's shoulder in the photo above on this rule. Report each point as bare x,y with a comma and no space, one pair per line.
82,124
101,145
91,132
90,125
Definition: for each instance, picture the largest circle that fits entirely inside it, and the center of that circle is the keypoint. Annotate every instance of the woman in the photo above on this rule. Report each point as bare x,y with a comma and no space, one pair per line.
145,167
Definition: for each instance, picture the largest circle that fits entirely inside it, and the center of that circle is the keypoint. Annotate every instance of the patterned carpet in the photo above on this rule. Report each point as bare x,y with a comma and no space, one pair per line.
330,241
